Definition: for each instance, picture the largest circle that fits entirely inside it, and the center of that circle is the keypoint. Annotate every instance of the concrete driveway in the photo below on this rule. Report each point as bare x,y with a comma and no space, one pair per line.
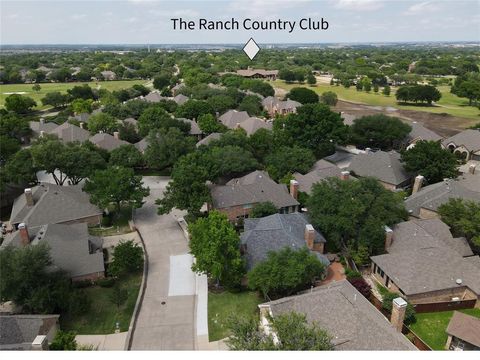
164,322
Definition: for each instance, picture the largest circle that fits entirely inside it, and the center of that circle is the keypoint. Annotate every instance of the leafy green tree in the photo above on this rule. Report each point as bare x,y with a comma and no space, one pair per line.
14,126
55,99
84,92
228,161
303,95
63,341
285,272
387,304
36,87
49,154
208,124
102,122
192,109
418,93
128,132
429,159
293,333
386,90
352,214
285,160
20,168
161,81
155,118
375,88
116,185
215,245
258,86
251,104
166,146
379,131
359,86
127,156
263,209
80,106
127,259
329,98
19,104
61,75
119,295
467,86
221,103
261,143
463,217
8,147
311,79
287,75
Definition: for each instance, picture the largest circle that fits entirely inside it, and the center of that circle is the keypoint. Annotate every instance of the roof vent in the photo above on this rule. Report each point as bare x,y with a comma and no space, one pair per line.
459,281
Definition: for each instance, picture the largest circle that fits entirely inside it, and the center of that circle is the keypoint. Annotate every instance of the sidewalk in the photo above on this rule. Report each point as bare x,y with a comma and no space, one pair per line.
103,342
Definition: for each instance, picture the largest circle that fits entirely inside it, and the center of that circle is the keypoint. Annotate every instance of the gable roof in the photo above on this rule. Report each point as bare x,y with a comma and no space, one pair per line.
385,166
420,132
432,196
352,321
107,141
261,72
274,233
207,139
154,96
252,124
53,204
194,128
233,117
68,133
181,99
132,121
17,332
469,138
142,145
38,126
251,189
322,169
465,327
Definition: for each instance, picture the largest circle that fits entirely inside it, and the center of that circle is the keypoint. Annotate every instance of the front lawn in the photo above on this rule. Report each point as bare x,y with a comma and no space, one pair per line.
113,224
103,313
224,304
430,327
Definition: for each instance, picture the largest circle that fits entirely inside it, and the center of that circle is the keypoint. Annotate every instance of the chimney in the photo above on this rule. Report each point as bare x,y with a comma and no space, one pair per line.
81,125
294,189
388,238
345,175
24,236
471,169
40,343
309,236
42,121
368,150
116,135
42,133
417,185
29,197
398,313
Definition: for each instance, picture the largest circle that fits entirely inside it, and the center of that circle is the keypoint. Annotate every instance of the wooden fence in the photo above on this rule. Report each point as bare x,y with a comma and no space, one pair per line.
445,306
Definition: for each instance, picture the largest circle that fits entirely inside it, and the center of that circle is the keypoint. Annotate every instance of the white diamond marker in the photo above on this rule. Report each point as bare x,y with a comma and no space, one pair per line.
251,48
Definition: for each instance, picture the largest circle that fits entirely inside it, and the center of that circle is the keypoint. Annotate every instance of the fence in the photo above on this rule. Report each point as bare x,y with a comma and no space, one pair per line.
415,339
445,306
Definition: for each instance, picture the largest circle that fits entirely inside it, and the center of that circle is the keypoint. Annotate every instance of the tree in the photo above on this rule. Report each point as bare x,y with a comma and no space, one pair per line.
251,104
429,159
263,209
116,185
127,156
311,79
215,245
20,168
329,98
463,217
166,146
61,75
48,154
161,81
36,87
379,131
418,93
228,161
19,104
375,88
361,285
118,295
102,122
286,160
14,126
192,109
127,259
359,86
63,341
8,148
285,272
261,143
84,92
128,132
467,86
287,75
221,103
80,106
352,214
386,90
303,95
156,118
387,304
292,332
258,86
208,124
55,99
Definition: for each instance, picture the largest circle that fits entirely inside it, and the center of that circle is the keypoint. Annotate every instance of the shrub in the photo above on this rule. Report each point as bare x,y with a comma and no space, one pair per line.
127,258
106,282
361,285
352,274
107,221
64,341
387,305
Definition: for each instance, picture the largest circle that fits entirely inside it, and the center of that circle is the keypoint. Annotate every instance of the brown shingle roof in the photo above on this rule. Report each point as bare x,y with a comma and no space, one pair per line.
465,327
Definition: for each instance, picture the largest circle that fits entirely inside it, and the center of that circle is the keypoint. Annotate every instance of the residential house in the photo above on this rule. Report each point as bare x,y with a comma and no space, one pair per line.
107,141
232,118
155,97
239,195
466,144
108,75
81,118
320,171
41,127
345,314
131,121
54,204
68,133
71,248
276,232
252,124
194,128
274,106
418,133
384,166
258,73
209,138
142,145
348,119
463,332
425,263
177,88
181,99
27,332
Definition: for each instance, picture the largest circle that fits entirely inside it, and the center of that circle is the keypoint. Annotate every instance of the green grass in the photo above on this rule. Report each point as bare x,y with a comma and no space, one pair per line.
103,314
119,223
62,87
449,103
430,327
222,305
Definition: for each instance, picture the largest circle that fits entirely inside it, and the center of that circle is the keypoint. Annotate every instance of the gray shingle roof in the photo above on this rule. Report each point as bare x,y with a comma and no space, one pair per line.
107,141
274,233
132,121
233,117
68,133
154,97
432,196
53,204
465,327
251,189
352,321
207,139
420,132
17,332
321,170
142,145
385,166
38,126
181,99
252,124
194,128
469,138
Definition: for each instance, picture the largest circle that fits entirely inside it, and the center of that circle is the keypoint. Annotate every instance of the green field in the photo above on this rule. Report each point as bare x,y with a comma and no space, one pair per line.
449,103
430,327
26,89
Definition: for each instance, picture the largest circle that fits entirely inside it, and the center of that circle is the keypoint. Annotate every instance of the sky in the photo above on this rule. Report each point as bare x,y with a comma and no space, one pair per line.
148,21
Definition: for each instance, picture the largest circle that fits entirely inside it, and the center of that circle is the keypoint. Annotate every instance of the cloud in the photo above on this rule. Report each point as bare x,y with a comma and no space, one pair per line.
188,13
78,16
358,5
263,8
422,8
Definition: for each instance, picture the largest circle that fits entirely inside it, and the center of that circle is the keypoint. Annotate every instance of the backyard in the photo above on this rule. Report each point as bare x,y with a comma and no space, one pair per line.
224,304
430,327
103,314
26,89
